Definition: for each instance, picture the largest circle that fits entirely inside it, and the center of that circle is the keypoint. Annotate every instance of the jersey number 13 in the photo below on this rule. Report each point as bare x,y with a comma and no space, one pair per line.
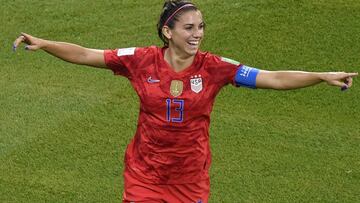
176,116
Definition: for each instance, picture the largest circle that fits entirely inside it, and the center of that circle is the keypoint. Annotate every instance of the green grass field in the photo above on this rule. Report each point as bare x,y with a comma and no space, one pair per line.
64,128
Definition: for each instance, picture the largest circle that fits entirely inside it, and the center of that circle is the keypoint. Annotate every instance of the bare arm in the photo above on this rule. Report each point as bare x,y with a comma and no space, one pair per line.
286,80
66,51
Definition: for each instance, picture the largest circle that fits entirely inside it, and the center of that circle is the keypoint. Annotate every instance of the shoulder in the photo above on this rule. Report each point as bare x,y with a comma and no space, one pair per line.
137,52
214,61
147,50
133,51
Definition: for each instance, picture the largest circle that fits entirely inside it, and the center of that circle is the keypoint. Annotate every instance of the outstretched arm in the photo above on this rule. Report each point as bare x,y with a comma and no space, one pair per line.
286,80
66,51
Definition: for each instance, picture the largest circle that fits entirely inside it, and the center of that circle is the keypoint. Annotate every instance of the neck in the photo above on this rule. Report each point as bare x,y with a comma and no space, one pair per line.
178,62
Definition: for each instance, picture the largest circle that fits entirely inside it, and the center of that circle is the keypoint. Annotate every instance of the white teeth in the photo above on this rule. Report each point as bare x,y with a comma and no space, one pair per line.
194,43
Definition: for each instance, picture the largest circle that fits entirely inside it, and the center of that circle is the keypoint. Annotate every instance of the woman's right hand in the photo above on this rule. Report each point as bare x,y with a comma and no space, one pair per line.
32,43
66,51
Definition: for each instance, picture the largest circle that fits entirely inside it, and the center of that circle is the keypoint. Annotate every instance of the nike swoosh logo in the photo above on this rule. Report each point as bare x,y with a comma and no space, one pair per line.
150,80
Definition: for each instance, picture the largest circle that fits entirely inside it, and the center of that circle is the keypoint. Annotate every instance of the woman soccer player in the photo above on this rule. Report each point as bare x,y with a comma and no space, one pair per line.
169,157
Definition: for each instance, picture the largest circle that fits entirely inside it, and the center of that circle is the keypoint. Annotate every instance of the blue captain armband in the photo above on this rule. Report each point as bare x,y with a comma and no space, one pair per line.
246,76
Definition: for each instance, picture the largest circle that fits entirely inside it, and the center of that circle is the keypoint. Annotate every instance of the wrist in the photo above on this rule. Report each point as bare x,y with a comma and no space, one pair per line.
44,44
322,76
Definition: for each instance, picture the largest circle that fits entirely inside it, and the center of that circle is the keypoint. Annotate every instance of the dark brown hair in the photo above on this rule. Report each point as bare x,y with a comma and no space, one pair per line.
171,6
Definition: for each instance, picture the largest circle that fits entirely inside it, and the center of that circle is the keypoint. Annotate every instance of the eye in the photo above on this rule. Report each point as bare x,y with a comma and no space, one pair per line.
188,27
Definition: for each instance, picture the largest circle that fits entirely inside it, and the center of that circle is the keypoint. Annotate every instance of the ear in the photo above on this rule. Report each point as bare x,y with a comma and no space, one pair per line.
167,32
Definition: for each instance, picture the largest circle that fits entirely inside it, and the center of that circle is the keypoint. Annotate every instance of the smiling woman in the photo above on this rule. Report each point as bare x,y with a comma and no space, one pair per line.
181,28
184,40
169,157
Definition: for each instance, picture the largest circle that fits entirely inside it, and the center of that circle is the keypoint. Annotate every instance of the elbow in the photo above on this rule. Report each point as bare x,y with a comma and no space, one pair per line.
82,58
272,80
281,81
280,85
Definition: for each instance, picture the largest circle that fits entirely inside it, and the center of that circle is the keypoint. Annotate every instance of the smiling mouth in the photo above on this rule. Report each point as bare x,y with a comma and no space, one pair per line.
194,44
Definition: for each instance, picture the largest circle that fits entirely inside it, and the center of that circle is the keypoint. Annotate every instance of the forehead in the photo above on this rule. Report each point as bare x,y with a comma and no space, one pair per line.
190,17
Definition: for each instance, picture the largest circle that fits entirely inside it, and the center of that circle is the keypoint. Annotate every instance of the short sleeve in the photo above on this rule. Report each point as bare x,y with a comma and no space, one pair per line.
122,61
223,70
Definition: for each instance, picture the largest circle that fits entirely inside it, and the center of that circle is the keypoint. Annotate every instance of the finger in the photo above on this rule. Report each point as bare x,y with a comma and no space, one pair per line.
352,74
27,37
348,84
32,47
344,85
349,81
338,83
18,40
25,34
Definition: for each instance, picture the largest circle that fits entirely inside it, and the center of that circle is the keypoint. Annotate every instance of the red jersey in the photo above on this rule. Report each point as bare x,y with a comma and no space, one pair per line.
171,144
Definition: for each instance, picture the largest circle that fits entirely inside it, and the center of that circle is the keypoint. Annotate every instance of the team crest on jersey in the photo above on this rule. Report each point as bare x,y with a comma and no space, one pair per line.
196,83
176,87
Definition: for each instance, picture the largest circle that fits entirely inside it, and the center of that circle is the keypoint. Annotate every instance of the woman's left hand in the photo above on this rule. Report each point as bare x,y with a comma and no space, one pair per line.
341,79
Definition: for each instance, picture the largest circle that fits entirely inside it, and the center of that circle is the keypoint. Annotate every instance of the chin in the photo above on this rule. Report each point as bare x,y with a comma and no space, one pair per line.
192,52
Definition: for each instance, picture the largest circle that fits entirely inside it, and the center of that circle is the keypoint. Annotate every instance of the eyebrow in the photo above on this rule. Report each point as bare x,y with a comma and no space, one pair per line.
193,24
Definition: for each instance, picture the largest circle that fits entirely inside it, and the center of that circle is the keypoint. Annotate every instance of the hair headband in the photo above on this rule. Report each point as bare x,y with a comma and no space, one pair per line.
177,10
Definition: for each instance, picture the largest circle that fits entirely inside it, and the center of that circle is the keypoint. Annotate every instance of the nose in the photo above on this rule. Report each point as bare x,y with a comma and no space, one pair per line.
198,32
